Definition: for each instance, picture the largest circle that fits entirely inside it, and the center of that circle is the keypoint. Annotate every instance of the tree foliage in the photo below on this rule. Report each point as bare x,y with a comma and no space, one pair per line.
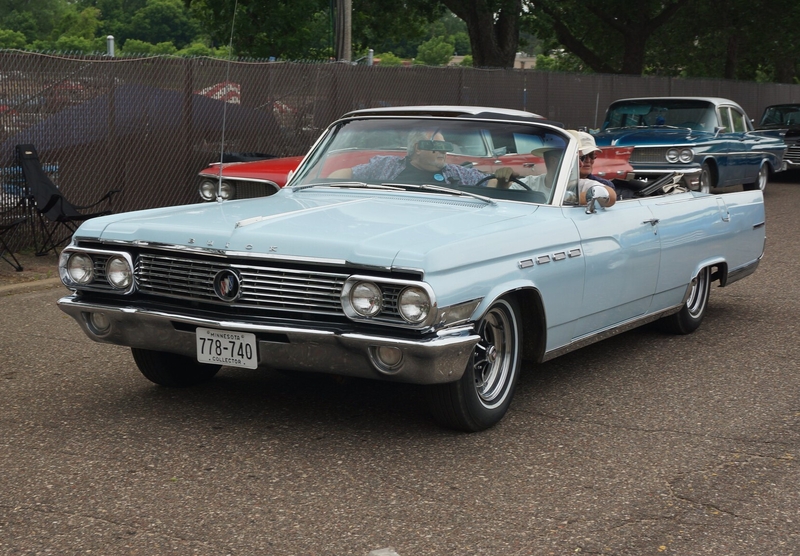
734,39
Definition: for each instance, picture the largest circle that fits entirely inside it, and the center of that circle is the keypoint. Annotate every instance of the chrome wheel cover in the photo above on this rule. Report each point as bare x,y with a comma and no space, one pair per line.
705,180
699,294
493,360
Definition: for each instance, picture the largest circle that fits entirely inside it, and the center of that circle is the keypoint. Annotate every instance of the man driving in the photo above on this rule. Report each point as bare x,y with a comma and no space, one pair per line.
424,163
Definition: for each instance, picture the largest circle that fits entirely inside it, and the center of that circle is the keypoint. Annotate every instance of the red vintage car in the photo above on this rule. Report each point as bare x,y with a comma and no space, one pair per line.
241,180
244,180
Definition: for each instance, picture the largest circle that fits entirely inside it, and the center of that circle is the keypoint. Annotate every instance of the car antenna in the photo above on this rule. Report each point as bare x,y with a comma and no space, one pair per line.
225,105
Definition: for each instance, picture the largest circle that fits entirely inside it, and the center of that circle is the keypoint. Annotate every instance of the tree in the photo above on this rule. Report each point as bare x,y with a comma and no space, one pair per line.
11,39
609,36
493,28
436,52
36,19
163,21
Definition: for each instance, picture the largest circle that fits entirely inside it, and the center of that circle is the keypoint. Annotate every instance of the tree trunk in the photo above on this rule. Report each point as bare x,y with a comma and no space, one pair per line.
493,36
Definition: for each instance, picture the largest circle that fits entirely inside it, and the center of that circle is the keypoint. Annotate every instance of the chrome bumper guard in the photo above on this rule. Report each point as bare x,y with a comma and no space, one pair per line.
436,360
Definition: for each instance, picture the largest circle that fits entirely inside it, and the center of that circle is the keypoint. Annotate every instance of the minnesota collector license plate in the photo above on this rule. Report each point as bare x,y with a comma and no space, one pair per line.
227,347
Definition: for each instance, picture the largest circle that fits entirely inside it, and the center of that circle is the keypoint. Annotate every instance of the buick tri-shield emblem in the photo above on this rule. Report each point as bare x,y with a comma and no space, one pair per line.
227,285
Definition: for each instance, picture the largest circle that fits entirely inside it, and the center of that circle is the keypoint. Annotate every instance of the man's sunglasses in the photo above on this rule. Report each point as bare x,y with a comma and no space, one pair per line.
590,156
428,145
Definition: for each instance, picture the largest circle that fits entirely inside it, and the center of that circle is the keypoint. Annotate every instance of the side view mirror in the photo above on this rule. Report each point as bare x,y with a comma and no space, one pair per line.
597,195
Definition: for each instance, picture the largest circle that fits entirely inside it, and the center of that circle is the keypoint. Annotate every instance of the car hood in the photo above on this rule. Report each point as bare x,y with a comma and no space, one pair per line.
254,169
383,229
629,137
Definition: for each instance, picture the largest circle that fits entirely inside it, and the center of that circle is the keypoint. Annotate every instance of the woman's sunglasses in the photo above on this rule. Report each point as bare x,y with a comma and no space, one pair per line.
590,156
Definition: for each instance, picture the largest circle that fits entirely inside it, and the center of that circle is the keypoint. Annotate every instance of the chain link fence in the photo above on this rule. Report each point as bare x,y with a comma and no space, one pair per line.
147,126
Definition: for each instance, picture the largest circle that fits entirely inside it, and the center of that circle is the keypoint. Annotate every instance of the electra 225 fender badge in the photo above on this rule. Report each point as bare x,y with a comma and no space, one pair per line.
227,285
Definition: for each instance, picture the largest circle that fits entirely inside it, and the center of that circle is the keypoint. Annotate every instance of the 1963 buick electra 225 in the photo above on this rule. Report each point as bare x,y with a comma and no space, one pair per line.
381,259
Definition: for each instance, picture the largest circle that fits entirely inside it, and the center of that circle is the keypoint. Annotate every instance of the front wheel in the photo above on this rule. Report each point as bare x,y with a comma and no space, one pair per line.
761,179
706,178
169,369
688,319
481,397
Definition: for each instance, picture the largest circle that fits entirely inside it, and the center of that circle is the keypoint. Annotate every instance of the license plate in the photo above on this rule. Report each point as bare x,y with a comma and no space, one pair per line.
227,347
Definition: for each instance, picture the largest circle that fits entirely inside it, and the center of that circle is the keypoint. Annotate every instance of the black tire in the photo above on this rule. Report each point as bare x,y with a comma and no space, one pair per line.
688,319
482,396
761,179
707,179
169,369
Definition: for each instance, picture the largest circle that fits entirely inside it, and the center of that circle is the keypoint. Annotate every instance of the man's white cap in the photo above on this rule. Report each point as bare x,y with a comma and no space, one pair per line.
586,141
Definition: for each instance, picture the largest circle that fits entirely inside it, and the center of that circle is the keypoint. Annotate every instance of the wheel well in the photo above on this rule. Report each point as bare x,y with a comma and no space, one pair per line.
534,325
719,271
712,166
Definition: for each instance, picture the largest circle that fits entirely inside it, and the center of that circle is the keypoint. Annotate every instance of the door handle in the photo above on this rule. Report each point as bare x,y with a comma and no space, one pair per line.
652,221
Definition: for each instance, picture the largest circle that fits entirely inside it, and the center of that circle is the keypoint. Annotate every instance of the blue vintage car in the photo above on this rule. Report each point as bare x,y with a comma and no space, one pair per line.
783,120
381,259
710,140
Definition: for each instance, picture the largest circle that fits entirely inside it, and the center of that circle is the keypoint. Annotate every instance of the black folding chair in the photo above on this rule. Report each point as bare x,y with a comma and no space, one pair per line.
51,204
7,227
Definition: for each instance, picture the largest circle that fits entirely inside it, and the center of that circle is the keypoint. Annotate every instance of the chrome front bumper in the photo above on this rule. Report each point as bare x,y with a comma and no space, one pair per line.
435,360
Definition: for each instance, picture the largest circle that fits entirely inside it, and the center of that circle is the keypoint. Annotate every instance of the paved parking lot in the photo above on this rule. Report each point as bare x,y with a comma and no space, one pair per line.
643,444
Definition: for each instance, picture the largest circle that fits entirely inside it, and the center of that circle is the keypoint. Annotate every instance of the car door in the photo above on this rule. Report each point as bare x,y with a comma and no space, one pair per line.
621,251
731,140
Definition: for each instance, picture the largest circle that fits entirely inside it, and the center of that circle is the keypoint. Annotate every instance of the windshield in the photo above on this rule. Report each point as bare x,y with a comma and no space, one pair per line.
691,114
453,154
781,115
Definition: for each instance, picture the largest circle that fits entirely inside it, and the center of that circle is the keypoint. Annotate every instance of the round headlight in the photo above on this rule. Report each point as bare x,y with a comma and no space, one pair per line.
686,156
672,155
80,268
119,273
227,191
366,299
414,304
207,190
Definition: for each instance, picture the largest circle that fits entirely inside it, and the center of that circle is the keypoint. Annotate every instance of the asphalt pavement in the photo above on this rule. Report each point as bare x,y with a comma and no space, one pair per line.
646,443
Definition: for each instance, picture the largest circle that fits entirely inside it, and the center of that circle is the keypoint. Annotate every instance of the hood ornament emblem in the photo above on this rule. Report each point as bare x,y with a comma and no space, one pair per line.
227,285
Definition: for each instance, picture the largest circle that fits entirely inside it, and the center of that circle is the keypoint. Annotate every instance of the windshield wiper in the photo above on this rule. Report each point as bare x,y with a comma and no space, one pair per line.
349,185
440,189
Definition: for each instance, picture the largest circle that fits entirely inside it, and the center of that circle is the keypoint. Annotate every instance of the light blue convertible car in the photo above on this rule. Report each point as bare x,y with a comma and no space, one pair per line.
711,141
383,259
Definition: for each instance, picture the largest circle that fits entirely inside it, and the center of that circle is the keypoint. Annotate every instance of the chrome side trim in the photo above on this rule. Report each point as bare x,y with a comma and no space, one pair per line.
742,272
611,331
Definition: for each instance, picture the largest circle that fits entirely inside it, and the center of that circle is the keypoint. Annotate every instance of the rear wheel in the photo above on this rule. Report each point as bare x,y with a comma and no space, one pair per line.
761,179
688,319
482,396
169,369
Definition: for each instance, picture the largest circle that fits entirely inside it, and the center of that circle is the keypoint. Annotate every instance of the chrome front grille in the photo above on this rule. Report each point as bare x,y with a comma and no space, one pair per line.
262,286
793,153
269,288
649,155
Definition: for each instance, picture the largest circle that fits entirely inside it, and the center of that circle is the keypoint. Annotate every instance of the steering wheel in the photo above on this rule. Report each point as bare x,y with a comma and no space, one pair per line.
515,180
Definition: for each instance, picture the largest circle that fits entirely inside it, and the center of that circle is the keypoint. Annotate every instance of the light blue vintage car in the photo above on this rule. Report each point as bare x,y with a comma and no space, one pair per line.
381,259
711,141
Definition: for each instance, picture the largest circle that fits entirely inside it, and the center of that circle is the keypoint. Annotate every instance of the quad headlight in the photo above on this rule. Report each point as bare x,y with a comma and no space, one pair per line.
97,270
208,190
414,304
80,268
119,273
366,299
684,156
393,302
